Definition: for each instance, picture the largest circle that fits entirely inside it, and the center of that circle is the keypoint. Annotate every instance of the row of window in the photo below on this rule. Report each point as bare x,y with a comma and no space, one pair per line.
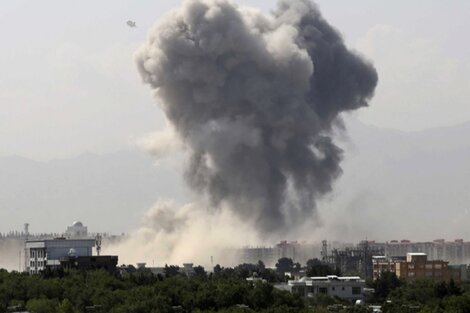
37,264
428,274
427,266
37,253
355,290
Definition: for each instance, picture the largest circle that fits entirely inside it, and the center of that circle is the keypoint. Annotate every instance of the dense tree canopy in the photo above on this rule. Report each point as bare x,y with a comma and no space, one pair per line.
315,267
223,290
142,292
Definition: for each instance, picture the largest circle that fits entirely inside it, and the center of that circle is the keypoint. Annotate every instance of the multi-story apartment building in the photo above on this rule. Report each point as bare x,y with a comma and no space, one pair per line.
298,251
415,266
456,252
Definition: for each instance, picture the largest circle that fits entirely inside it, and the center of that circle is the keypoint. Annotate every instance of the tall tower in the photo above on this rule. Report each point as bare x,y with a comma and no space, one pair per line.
98,240
324,251
25,254
26,230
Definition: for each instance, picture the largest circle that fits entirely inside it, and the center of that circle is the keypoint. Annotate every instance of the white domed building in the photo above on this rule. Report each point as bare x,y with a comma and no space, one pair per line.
77,230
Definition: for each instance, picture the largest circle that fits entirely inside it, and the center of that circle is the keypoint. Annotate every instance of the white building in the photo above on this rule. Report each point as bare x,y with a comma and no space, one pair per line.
77,230
47,253
188,269
348,288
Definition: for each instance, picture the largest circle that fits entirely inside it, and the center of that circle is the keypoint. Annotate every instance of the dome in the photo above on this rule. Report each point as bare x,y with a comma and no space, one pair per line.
77,224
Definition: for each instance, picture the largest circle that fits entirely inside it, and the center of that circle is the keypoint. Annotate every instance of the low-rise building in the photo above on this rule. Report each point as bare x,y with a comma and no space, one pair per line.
105,262
416,266
48,252
348,288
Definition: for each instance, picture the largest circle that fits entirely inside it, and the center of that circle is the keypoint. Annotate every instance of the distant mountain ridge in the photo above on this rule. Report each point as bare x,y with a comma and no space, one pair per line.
108,192
399,185
395,184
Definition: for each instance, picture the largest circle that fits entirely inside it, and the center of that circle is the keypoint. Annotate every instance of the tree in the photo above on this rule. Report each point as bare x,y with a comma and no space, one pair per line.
66,307
459,304
172,270
217,269
200,271
284,265
245,270
315,267
453,289
41,306
383,285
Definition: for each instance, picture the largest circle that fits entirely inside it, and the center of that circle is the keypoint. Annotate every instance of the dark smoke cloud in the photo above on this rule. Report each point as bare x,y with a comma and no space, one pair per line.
255,98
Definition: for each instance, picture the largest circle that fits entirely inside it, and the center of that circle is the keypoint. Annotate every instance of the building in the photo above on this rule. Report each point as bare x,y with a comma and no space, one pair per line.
459,272
298,251
254,254
355,260
347,288
456,251
416,266
105,262
77,230
188,269
48,252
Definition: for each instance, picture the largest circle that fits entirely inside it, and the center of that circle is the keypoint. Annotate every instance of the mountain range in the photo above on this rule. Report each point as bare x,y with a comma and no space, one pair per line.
395,185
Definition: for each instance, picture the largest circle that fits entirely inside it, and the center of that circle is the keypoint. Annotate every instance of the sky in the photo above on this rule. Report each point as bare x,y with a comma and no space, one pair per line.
69,85
75,115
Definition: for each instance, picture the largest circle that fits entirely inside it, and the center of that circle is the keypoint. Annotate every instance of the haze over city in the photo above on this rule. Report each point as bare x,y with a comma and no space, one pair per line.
82,136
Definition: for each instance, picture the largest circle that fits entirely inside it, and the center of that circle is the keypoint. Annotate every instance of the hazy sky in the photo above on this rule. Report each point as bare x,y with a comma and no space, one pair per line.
68,83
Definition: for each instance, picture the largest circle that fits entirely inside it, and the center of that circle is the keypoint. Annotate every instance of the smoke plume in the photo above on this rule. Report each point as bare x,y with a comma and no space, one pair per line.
176,234
254,99
11,253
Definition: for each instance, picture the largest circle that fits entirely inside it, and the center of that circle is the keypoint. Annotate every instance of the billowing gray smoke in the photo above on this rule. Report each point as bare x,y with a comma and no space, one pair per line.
254,98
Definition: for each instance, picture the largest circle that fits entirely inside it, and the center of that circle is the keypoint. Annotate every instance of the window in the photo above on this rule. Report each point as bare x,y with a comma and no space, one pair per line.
411,273
342,288
411,266
438,266
428,266
322,290
428,274
356,290
333,288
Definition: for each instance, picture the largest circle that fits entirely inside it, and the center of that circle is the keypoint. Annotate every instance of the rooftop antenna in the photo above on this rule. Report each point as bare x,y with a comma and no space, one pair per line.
98,244
26,254
212,260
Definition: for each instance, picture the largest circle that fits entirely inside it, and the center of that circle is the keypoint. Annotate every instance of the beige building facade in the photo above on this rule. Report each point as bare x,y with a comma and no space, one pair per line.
415,266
